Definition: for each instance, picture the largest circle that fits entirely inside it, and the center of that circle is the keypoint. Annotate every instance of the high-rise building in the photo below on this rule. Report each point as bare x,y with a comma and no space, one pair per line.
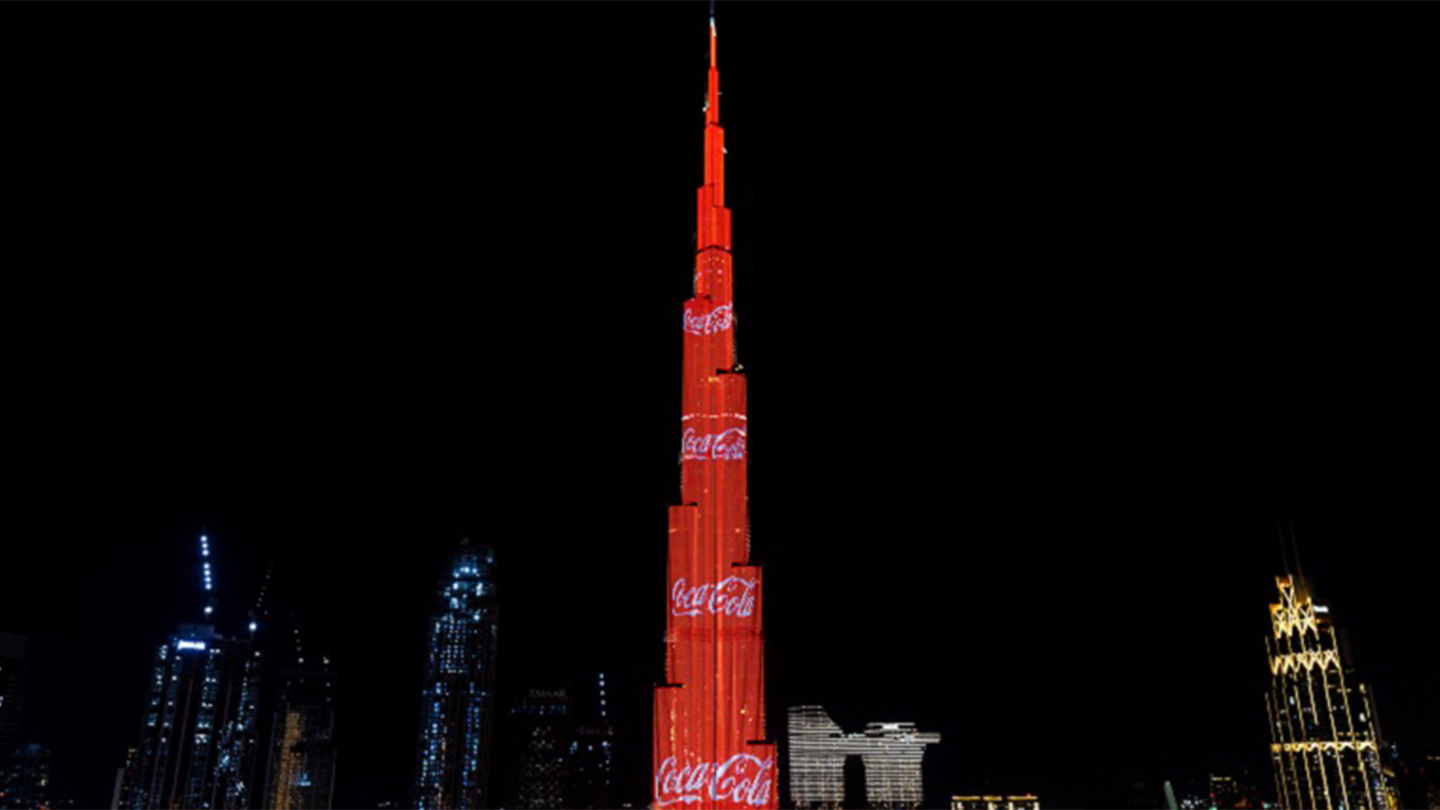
710,748
458,702
1024,802
892,755
26,785
592,754
300,774
124,780
197,737
1325,738
12,684
539,738
197,746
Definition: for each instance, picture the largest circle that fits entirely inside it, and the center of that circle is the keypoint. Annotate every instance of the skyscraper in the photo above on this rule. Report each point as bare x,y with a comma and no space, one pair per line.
12,683
197,735
458,701
592,754
1325,738
300,770
892,755
197,738
539,737
26,785
709,738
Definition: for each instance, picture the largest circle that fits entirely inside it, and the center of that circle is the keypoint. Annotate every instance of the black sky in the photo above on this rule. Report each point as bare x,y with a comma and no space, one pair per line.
1047,322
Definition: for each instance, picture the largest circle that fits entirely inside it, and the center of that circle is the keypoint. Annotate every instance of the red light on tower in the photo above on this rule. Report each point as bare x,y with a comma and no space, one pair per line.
710,749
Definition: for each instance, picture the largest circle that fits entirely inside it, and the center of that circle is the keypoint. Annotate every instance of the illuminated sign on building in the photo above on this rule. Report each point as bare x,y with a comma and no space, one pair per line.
710,749
190,645
716,320
741,780
732,596
727,445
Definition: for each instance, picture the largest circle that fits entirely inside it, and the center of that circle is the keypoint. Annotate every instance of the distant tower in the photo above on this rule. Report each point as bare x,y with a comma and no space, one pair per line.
197,735
592,760
26,785
539,738
710,747
458,703
1325,736
300,774
12,682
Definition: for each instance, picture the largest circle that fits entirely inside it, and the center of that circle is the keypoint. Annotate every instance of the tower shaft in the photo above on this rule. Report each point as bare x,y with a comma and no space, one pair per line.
709,749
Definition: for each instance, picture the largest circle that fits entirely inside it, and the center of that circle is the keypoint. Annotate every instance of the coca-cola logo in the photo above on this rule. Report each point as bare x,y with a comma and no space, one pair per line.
731,596
741,779
727,445
716,320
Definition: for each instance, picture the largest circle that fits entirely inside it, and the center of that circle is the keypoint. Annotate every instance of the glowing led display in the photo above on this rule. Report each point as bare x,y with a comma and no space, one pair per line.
190,645
731,596
727,445
743,779
709,748
716,320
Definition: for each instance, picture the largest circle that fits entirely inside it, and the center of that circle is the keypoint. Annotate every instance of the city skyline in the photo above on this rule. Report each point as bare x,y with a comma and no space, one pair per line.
1016,514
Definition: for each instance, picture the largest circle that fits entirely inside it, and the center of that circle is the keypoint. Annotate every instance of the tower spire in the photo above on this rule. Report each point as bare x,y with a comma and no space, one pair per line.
714,135
207,574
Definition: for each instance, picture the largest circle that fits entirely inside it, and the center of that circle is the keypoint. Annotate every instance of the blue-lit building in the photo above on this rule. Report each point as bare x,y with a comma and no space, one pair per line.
26,785
457,711
197,742
197,736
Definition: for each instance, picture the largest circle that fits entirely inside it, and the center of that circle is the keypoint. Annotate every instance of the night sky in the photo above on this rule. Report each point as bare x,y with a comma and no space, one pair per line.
1047,323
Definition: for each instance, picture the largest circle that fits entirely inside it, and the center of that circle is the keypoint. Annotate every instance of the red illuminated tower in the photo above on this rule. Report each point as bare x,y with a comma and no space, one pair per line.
710,748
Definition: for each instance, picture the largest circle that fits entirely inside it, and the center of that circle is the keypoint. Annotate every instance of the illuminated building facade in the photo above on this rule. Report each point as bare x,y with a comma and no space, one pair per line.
300,774
458,702
709,737
197,737
1325,738
124,780
892,755
539,739
197,746
1025,802
26,784
12,683
592,756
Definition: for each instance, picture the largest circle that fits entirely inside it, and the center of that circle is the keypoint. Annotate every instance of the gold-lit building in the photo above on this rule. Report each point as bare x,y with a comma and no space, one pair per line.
1325,738
1026,802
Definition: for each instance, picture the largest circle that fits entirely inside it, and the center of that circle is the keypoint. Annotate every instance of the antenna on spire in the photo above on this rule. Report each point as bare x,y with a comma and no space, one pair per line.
207,578
712,33
259,610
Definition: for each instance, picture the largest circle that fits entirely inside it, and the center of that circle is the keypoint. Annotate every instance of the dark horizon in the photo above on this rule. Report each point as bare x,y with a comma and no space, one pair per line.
357,303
